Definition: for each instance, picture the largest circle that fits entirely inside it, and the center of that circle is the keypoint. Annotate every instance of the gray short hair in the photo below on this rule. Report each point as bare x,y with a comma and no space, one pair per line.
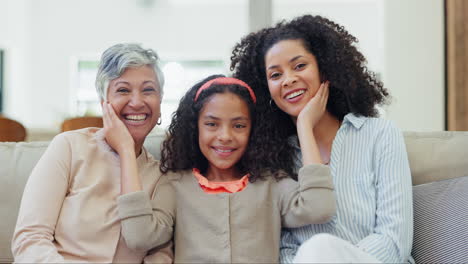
116,59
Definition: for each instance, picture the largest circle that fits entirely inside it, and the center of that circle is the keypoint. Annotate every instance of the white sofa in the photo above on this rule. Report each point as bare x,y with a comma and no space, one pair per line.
434,158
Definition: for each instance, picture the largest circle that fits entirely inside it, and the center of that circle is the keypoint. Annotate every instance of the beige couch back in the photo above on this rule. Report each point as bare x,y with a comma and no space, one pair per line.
433,156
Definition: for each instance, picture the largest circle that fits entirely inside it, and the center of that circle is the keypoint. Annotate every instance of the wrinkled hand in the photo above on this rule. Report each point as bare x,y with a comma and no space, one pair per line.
314,109
115,131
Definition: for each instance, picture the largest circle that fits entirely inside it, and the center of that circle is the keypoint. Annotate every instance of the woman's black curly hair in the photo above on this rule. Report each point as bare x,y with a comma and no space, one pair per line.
181,151
353,88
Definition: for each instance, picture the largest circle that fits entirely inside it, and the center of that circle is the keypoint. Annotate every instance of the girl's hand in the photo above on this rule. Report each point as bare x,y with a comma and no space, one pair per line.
115,131
314,109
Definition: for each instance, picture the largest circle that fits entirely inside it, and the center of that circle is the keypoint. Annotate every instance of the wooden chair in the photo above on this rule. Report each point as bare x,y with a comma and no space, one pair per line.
81,122
11,130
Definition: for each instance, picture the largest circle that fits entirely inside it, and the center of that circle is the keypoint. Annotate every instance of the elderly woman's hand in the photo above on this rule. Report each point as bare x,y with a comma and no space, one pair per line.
116,133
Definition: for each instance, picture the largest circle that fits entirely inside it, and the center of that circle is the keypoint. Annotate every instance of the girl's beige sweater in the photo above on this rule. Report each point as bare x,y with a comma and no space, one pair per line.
223,228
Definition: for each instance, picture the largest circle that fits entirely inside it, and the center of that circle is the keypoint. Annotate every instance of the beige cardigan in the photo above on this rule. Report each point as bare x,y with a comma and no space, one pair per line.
238,227
69,210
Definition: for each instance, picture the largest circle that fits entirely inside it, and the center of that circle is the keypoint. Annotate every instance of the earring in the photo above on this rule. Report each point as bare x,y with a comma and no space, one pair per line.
159,121
272,105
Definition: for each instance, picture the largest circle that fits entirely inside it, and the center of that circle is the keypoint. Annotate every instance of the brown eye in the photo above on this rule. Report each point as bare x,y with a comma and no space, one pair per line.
123,90
300,66
275,75
149,89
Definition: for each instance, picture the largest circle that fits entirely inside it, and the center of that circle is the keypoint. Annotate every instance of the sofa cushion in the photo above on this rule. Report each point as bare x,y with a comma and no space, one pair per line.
441,221
17,160
435,156
153,143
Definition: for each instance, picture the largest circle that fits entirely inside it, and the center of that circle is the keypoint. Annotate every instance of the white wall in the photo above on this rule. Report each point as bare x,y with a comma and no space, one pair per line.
362,18
3,16
15,40
57,30
403,40
414,63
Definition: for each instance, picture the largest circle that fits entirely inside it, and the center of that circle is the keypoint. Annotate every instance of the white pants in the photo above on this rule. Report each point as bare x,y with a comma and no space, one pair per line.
325,248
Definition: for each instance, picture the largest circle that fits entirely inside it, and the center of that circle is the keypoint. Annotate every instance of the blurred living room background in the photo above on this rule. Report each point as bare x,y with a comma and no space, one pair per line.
49,51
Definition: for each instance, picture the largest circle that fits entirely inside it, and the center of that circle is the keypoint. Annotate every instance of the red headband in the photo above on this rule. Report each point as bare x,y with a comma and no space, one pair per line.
226,80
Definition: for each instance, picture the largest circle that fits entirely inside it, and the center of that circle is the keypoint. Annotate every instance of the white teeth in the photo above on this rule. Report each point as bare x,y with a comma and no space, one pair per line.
292,95
224,150
136,117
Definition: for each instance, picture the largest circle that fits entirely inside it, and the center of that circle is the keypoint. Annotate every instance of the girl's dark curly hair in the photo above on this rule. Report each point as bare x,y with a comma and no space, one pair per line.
353,88
181,151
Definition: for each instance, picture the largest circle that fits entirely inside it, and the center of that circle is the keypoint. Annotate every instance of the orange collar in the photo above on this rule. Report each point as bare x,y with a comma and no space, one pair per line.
220,187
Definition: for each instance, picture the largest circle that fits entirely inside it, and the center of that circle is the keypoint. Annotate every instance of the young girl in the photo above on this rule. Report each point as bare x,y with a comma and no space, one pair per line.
219,202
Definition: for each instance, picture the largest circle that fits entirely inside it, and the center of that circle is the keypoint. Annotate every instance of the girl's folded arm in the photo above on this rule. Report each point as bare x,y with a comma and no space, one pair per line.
311,200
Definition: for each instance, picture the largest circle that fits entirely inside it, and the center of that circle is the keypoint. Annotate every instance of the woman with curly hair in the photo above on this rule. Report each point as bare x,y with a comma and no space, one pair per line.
292,67
225,206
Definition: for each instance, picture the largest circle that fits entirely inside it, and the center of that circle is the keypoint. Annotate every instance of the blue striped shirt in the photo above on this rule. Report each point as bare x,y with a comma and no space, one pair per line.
372,179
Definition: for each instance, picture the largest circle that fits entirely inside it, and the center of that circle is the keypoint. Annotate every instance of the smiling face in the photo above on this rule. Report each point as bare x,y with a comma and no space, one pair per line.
136,100
224,125
292,74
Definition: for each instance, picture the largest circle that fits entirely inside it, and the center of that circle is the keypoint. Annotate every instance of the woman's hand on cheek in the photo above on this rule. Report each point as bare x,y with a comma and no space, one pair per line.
314,109
116,133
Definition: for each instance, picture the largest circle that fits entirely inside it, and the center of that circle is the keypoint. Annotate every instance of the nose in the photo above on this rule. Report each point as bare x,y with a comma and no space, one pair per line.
225,134
136,100
289,79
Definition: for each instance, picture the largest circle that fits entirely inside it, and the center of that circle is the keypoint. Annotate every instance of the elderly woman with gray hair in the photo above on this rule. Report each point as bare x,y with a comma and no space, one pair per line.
69,211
